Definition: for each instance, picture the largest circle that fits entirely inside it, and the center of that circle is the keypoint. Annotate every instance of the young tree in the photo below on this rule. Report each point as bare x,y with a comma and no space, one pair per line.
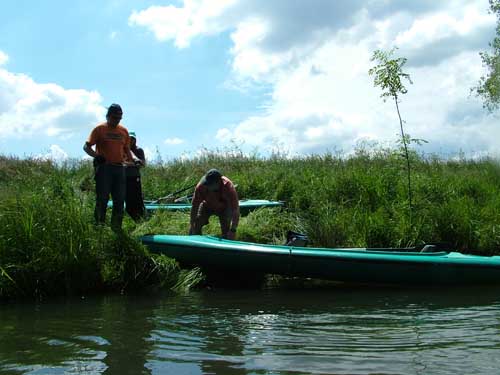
389,76
488,87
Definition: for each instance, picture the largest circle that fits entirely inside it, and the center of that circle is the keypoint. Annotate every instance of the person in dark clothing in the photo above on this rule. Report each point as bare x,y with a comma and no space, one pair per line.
134,203
112,150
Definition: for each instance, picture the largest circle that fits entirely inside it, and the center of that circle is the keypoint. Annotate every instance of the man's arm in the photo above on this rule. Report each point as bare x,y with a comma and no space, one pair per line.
195,203
129,154
93,139
89,150
126,148
234,204
139,153
235,207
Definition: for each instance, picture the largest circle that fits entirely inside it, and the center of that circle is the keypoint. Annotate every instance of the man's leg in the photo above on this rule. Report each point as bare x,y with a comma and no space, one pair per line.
102,190
118,187
201,219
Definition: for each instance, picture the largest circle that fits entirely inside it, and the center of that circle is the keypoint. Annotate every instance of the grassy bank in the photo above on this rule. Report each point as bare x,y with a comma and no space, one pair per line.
48,244
357,201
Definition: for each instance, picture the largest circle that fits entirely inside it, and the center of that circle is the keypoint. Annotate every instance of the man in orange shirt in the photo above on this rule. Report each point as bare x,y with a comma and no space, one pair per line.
112,150
215,195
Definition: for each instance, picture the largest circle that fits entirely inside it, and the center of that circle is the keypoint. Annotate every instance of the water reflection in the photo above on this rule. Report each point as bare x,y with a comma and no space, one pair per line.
92,336
127,325
339,330
31,339
196,330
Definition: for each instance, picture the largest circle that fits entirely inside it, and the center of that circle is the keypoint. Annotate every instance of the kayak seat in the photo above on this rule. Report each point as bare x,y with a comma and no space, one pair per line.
296,239
429,249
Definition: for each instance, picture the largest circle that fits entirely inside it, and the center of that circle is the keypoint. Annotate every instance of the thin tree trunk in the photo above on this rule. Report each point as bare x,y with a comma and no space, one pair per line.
407,157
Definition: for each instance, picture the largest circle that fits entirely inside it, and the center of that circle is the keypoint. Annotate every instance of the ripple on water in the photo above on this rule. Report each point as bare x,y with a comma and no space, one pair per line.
387,341
256,334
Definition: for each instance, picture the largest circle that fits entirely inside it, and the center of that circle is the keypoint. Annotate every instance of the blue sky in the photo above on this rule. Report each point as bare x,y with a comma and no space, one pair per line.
262,74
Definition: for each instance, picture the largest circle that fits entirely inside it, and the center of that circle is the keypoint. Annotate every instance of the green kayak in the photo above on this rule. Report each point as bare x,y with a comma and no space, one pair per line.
354,265
246,205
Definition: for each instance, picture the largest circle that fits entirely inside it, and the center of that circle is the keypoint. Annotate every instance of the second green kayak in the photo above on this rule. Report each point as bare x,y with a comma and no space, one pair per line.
246,205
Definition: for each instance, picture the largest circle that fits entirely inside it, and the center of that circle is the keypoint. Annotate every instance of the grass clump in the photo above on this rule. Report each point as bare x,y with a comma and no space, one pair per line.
50,246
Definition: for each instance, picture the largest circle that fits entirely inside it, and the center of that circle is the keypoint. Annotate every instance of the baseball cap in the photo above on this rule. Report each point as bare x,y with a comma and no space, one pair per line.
115,109
211,177
132,135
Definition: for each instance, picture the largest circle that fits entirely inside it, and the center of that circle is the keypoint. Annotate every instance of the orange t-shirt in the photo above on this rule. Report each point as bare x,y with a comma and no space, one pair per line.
112,143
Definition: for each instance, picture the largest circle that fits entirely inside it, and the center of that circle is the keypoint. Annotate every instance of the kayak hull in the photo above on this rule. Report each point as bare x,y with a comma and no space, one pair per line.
380,266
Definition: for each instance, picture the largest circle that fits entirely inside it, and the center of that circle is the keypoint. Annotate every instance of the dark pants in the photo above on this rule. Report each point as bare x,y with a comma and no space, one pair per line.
134,203
203,216
109,179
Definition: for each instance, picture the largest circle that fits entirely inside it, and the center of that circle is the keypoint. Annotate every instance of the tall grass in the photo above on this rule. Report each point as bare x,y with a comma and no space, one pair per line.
49,245
359,200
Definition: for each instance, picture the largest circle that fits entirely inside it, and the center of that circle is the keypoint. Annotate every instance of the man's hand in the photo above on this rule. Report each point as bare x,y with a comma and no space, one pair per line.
99,159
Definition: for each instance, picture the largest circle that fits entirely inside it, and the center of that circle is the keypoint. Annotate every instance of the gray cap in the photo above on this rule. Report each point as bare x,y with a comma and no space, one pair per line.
115,109
211,177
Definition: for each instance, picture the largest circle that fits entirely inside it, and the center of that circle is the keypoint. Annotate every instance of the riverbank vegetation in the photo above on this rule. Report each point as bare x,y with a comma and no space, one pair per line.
49,245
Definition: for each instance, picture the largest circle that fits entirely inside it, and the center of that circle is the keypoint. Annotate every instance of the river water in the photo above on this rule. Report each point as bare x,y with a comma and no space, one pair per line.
292,331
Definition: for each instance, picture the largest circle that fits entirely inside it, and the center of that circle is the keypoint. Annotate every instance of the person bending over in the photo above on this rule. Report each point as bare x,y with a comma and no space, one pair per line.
216,195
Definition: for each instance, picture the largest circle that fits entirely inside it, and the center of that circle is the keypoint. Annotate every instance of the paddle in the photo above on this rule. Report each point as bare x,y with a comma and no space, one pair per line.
184,199
180,199
188,198
172,195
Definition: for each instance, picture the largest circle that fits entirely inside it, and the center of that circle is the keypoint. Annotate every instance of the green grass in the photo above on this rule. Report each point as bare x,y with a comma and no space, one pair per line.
49,245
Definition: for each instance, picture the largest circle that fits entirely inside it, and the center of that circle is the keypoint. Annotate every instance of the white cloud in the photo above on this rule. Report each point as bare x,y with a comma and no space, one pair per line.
28,108
149,154
428,29
55,153
196,17
173,141
316,55
3,58
223,135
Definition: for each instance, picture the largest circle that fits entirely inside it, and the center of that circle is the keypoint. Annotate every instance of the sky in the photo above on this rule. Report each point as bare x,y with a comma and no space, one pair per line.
258,75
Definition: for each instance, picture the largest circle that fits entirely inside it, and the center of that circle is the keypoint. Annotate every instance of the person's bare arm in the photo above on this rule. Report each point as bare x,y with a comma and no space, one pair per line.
235,208
141,158
129,154
89,150
195,203
236,218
